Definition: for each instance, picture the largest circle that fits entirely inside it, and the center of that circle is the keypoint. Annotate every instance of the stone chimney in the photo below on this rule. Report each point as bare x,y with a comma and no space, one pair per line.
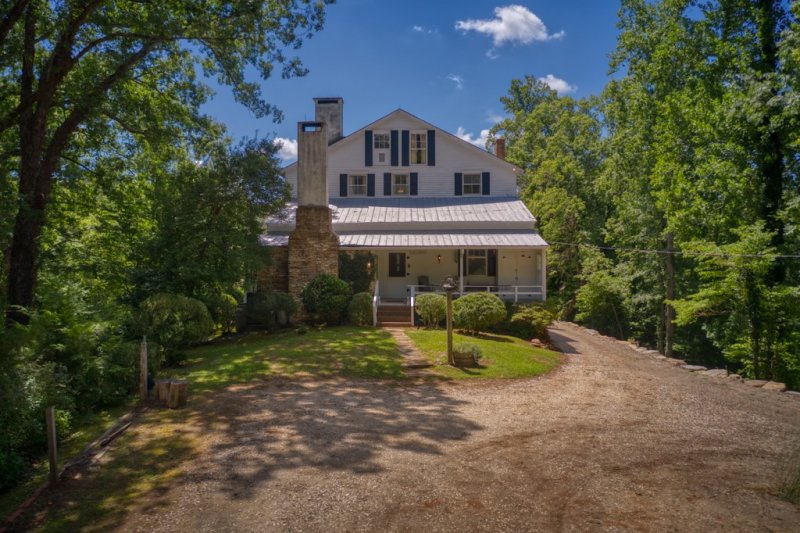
500,147
313,246
329,111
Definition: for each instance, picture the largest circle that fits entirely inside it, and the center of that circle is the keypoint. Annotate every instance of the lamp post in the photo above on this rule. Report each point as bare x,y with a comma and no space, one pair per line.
448,287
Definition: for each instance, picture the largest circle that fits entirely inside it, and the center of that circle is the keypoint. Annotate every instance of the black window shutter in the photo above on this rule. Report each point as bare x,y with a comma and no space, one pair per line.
370,184
342,185
387,183
431,148
491,267
485,186
414,180
459,187
394,148
405,137
368,148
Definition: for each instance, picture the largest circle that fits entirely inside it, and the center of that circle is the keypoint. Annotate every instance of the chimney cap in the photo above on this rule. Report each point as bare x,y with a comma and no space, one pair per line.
329,100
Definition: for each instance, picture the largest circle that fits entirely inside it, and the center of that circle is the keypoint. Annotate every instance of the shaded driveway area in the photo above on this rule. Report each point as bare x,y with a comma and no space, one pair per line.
612,440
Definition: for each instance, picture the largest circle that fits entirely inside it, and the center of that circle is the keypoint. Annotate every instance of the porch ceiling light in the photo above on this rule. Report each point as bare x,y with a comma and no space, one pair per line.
439,258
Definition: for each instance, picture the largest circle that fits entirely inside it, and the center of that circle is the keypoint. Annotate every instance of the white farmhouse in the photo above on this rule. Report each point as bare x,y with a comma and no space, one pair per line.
426,204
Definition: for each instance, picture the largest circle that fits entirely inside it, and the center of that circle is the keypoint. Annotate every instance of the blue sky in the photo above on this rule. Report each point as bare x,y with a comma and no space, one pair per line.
448,62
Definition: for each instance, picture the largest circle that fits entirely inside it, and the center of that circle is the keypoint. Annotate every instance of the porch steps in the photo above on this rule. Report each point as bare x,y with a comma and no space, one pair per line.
394,315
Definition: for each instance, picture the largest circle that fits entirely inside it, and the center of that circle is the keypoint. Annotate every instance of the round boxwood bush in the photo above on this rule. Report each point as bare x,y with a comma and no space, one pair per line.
222,307
360,309
531,320
431,308
174,322
478,311
325,299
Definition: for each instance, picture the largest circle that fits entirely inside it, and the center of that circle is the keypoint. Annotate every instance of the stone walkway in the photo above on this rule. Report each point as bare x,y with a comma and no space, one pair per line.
414,362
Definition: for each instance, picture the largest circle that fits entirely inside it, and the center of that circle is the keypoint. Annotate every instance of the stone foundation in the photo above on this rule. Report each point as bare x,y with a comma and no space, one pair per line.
313,249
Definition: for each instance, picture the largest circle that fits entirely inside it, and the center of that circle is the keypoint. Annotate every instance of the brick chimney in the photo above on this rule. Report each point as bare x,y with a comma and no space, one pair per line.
313,246
329,111
500,147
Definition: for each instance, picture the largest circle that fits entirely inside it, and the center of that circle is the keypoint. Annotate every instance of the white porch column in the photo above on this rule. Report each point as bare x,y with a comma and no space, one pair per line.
461,272
544,274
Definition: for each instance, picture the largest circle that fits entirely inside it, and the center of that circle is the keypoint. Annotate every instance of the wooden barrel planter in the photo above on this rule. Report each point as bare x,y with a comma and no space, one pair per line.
463,359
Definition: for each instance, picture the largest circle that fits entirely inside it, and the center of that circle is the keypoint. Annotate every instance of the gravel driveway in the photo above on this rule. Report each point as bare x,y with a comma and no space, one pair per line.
612,440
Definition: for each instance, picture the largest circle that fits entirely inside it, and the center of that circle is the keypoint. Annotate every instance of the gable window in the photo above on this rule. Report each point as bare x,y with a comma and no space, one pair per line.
472,183
419,148
356,185
476,262
400,184
381,141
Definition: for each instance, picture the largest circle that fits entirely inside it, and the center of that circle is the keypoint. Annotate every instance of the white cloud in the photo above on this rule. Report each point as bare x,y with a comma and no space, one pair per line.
458,80
512,23
479,141
422,29
494,118
288,148
558,85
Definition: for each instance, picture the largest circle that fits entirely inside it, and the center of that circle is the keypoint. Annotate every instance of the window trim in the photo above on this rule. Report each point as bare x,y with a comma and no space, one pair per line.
421,149
464,175
407,185
376,134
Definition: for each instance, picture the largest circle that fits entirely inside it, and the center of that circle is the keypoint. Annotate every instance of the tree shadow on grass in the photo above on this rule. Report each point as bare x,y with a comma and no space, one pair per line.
238,440
485,336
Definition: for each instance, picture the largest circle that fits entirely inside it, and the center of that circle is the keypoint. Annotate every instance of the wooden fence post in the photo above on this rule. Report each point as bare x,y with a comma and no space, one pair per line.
52,453
143,369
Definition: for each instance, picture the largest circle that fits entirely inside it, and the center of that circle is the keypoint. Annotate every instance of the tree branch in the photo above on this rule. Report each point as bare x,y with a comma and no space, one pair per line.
10,19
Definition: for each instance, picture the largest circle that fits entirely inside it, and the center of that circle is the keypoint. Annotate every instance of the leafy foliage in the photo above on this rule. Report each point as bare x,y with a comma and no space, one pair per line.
264,308
478,311
357,269
530,321
432,308
359,311
174,322
325,299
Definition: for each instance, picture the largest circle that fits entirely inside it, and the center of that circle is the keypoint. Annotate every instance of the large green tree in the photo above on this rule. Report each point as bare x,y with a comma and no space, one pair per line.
74,70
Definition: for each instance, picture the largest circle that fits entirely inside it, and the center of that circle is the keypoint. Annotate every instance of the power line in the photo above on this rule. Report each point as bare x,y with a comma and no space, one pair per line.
675,252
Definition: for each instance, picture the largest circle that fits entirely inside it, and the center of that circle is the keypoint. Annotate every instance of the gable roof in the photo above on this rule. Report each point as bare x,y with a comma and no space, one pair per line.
426,125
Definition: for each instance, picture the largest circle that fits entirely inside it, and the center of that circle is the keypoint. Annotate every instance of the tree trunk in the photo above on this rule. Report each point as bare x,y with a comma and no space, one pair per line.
669,311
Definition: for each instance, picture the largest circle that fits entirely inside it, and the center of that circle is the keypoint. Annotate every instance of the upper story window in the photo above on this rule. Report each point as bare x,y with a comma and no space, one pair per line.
356,185
472,183
381,141
400,185
419,148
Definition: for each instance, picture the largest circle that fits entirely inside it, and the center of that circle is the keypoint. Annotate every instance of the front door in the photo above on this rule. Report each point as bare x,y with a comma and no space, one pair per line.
398,267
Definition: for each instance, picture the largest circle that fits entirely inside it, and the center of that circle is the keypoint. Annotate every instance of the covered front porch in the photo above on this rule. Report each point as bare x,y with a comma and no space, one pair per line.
514,274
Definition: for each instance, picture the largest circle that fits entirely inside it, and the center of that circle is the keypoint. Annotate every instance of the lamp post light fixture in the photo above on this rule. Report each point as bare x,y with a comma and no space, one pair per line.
449,286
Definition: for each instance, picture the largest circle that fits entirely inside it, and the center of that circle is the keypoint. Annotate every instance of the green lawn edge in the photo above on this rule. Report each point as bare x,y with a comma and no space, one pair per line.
504,357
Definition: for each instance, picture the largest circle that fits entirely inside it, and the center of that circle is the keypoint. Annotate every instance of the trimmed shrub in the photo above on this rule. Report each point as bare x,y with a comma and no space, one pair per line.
222,307
530,320
174,322
360,309
266,308
478,311
431,308
325,299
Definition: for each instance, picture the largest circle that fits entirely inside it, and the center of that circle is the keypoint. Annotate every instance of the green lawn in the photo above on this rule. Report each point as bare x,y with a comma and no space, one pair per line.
344,351
503,356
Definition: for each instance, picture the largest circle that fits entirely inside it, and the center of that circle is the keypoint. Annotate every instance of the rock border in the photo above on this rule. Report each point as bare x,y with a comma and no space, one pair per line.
716,373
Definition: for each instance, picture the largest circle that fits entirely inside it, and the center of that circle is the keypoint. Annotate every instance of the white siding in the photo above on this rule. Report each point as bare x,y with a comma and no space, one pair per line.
452,155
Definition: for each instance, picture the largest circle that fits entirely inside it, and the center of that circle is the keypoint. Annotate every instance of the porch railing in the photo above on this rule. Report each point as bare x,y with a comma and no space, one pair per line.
506,292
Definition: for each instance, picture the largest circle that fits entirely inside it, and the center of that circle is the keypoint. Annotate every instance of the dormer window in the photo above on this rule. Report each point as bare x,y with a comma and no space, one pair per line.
419,148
